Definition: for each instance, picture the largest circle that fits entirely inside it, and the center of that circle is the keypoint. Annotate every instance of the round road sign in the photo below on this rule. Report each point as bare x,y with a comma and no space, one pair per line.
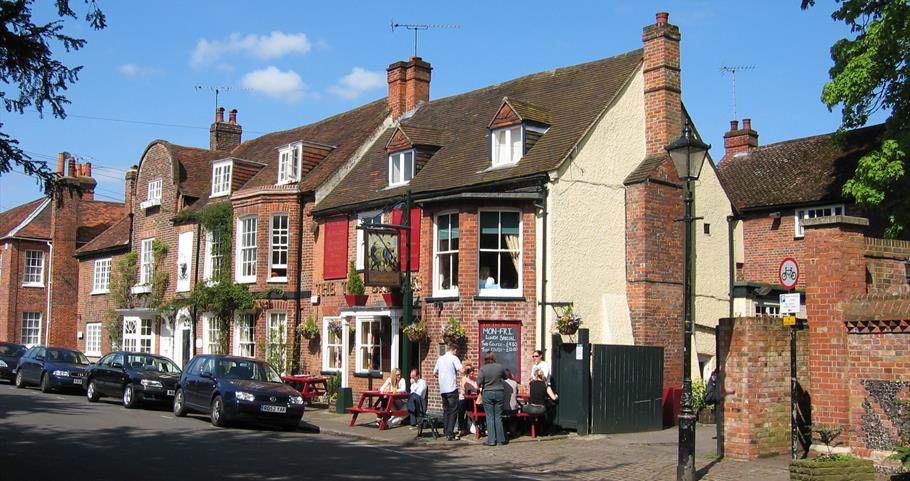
788,273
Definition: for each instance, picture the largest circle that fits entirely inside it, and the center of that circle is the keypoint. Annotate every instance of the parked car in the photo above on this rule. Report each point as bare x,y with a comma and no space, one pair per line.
51,368
132,376
237,389
9,359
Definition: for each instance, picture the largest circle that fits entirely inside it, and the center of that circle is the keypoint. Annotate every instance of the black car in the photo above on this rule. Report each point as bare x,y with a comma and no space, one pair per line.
9,359
51,368
133,377
237,389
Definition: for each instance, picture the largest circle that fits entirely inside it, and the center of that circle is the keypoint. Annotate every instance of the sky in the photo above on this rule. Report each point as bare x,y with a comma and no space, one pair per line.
150,74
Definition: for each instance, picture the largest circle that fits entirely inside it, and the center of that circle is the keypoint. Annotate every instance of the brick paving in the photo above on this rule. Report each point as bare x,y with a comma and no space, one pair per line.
639,456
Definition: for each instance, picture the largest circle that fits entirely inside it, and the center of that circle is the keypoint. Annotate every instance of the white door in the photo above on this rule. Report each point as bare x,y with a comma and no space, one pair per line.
166,339
183,340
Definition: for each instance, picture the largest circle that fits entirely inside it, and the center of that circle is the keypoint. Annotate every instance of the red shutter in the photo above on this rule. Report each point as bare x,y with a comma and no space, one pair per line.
335,262
415,238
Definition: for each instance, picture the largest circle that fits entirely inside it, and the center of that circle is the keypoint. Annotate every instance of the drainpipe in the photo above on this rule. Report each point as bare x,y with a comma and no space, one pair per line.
543,271
50,277
300,233
196,279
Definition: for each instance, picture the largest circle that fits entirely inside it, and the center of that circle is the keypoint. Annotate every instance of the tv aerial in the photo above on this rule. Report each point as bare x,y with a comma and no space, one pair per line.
217,89
416,27
732,69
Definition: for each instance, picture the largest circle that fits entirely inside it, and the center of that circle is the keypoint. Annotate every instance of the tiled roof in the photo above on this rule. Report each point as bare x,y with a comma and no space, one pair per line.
39,227
346,132
117,235
529,111
195,168
11,219
796,172
96,217
425,136
573,96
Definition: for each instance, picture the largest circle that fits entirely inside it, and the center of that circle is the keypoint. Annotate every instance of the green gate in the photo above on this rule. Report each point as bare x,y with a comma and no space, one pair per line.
627,389
572,381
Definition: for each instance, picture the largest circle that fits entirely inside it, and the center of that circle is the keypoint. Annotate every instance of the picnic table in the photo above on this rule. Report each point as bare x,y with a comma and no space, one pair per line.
476,413
371,398
309,386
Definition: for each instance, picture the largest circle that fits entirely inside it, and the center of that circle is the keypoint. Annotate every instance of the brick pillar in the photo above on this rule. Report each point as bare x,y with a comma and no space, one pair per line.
409,85
225,135
663,107
64,268
835,273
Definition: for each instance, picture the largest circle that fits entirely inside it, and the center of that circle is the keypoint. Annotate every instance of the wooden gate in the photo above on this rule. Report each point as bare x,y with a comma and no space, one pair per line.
626,389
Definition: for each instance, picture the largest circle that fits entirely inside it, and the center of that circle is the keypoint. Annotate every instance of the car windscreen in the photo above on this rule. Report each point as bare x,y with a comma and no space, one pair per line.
11,350
65,356
141,362
244,369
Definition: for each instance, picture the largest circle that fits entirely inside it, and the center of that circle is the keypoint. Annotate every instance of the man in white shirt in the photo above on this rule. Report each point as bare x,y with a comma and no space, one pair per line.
417,401
539,365
447,369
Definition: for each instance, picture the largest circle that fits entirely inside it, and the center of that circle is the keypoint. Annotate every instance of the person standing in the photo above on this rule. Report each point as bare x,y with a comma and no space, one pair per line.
492,389
447,369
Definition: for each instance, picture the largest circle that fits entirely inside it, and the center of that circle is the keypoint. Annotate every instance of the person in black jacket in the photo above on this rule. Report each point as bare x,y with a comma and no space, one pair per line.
492,389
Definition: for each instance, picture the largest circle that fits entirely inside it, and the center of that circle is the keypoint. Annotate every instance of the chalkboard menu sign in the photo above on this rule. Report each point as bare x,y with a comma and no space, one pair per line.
503,338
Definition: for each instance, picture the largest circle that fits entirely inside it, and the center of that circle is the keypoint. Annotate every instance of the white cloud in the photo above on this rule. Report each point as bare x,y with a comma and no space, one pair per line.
357,82
287,86
133,70
274,45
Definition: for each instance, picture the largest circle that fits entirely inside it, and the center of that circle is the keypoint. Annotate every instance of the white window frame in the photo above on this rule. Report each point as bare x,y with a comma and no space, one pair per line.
767,309
146,261
142,337
278,247
93,339
500,292
438,290
400,158
246,270
507,133
154,192
31,328
364,218
326,344
33,273
245,334
359,346
209,327
101,277
812,213
222,173
209,271
272,316
289,160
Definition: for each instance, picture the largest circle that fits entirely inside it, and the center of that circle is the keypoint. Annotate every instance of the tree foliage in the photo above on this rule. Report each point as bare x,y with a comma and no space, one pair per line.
869,75
34,76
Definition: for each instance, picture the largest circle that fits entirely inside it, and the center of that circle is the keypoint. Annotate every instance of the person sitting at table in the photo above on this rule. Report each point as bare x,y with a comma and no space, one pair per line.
510,406
393,384
417,399
540,397
469,388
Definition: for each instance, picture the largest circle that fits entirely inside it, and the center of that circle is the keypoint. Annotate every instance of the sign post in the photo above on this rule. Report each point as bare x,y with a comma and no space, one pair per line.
788,276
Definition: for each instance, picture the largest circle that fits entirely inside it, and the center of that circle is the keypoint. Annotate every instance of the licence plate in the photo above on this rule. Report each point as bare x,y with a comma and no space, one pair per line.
77,381
274,409
170,392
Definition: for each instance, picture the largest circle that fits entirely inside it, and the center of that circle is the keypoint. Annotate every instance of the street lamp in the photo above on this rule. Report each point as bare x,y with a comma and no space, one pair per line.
688,154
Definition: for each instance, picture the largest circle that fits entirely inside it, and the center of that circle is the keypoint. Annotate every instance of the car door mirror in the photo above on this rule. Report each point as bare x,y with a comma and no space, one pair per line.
206,374
117,365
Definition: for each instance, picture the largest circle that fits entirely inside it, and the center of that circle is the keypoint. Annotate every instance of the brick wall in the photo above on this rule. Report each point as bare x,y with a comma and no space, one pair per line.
886,266
92,308
754,362
17,299
769,240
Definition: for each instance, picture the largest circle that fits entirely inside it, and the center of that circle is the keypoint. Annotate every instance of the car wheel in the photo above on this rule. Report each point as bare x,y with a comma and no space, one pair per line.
20,383
45,383
217,414
91,393
129,397
179,405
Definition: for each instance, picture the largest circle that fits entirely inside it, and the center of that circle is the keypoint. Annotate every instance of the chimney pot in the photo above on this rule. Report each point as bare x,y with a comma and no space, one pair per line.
88,169
662,18
747,124
734,125
739,141
71,167
233,116
61,162
219,114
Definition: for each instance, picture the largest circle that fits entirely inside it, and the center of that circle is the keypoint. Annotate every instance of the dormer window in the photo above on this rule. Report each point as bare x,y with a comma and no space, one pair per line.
289,163
221,178
401,167
507,145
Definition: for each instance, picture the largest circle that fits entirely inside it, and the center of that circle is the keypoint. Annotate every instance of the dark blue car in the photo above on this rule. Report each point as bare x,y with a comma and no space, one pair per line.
237,389
133,377
51,368
9,359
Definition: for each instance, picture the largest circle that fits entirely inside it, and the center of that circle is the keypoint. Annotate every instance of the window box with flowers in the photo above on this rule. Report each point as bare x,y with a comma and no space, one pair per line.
567,322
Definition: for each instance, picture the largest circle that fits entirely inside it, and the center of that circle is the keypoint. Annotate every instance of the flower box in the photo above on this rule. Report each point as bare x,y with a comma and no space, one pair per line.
356,300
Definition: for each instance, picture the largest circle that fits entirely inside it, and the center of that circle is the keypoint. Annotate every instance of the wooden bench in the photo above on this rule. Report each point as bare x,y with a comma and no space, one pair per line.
477,413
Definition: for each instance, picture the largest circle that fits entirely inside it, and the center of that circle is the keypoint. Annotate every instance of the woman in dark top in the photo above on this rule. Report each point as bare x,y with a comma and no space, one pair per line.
492,388
540,398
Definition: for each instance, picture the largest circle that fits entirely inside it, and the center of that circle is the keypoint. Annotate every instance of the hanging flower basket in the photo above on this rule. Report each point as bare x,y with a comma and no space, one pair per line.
416,332
568,322
309,329
335,326
453,333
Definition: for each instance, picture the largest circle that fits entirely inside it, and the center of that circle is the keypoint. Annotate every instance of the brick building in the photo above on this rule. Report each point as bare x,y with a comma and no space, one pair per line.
39,275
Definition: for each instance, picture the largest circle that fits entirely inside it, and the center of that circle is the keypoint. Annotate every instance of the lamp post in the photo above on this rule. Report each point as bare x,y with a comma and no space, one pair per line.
688,154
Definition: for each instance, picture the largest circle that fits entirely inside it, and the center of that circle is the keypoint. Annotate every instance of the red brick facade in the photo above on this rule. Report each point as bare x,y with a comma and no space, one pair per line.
93,306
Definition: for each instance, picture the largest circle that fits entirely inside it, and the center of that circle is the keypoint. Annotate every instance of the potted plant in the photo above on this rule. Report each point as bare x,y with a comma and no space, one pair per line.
416,331
332,386
391,296
355,289
568,322
830,466
453,333
309,329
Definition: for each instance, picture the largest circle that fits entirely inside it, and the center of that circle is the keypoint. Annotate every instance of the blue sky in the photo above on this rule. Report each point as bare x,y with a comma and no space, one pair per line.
291,63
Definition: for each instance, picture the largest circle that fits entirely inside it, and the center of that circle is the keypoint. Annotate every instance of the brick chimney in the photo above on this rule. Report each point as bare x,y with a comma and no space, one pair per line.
663,106
739,141
409,85
224,135
129,188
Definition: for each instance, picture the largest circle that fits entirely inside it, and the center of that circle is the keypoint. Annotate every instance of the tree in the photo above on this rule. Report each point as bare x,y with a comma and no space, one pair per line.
37,79
870,74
